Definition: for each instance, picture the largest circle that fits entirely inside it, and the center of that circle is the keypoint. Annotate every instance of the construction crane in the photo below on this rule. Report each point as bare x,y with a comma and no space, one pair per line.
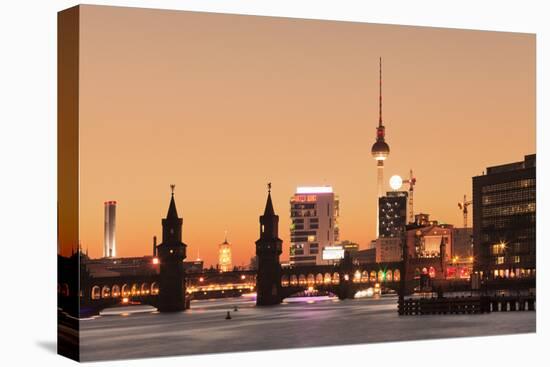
464,207
411,181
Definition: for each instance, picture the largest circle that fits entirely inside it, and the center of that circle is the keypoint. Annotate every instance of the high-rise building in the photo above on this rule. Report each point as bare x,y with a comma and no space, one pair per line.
392,213
314,224
109,241
224,256
380,151
504,220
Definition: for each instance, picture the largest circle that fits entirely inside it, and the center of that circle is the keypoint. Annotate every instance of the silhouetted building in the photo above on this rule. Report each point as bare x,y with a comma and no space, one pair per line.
314,216
109,242
504,212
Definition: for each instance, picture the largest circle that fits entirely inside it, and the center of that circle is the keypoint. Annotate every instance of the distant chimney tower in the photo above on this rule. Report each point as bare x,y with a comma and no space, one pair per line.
154,246
109,243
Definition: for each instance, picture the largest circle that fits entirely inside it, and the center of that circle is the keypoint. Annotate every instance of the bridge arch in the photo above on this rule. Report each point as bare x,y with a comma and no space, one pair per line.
144,290
134,289
293,279
105,292
364,276
372,277
302,279
319,278
336,278
125,292
96,292
327,279
154,288
396,275
284,280
310,280
381,276
357,276
389,276
115,291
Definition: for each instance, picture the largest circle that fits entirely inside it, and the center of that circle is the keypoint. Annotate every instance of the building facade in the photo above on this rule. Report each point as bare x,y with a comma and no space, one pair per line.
425,241
389,249
314,224
463,244
392,214
109,242
392,219
504,214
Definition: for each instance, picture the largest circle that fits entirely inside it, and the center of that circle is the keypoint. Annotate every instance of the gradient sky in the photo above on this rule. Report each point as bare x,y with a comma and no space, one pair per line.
221,104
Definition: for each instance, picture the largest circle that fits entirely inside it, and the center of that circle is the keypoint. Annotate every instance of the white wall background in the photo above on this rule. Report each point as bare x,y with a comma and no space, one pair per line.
28,179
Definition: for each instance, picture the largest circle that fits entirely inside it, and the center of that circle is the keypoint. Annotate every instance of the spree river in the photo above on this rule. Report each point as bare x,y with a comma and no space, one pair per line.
204,328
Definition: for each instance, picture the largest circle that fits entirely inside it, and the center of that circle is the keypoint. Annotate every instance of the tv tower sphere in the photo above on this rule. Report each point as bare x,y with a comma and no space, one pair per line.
380,150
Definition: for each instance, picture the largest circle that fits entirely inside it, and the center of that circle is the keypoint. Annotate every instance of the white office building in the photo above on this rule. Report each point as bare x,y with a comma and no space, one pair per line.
314,225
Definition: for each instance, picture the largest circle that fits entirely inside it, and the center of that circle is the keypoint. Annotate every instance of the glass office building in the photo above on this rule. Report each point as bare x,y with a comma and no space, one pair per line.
504,212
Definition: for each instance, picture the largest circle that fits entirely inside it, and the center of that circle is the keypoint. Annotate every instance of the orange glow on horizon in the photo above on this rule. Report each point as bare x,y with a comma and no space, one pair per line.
220,108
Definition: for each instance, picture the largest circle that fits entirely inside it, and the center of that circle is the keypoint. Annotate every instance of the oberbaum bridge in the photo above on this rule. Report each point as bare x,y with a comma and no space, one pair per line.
162,281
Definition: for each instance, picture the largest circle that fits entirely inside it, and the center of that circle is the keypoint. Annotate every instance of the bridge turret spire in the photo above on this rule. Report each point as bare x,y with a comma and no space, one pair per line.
268,250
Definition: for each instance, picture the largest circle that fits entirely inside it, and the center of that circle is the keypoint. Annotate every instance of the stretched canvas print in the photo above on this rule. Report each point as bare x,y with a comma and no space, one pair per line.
232,183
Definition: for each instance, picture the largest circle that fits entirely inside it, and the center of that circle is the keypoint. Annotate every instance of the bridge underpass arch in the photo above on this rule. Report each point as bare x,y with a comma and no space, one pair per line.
115,291
96,292
105,292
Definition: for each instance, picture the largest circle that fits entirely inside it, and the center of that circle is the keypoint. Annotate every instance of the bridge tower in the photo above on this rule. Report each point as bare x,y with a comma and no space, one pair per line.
171,253
268,250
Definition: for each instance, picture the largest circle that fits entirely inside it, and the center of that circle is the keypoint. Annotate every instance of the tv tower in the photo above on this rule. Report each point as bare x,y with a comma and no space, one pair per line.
380,151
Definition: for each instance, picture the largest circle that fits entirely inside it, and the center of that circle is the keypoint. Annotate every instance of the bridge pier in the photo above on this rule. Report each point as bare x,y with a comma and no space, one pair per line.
345,288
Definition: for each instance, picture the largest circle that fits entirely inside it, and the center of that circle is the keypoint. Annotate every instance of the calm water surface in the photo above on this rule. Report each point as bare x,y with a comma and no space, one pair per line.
204,329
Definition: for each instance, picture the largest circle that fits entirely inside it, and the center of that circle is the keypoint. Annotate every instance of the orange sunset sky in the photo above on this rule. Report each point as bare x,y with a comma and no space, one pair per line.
221,104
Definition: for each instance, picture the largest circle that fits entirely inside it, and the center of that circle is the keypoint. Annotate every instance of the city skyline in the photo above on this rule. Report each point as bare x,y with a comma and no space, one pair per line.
230,127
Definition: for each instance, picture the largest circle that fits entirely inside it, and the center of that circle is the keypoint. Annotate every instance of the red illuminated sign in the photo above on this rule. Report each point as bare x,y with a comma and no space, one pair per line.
305,198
